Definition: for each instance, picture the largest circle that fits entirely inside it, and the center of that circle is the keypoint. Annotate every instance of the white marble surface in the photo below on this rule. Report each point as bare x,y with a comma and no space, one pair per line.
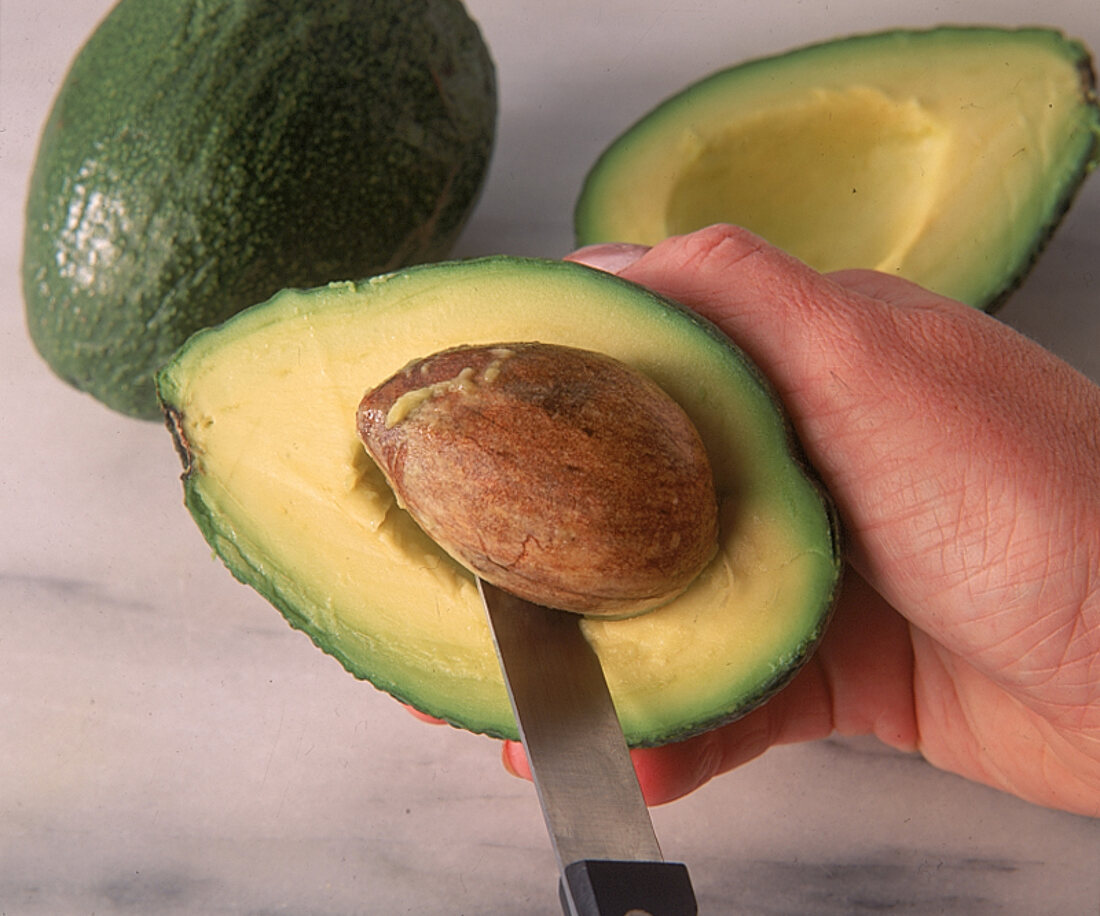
169,746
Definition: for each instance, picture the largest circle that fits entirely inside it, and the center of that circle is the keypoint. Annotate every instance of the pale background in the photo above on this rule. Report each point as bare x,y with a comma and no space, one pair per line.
169,746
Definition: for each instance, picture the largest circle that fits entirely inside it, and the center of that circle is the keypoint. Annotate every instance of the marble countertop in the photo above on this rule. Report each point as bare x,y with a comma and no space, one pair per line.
169,746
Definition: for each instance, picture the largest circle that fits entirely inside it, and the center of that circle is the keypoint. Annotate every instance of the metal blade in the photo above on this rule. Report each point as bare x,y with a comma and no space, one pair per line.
582,770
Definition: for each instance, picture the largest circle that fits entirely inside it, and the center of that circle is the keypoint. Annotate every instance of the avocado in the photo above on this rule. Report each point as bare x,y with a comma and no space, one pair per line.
201,156
263,409
945,156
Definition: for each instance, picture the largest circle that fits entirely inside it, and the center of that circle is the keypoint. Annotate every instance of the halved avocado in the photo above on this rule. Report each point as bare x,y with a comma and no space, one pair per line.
945,156
263,410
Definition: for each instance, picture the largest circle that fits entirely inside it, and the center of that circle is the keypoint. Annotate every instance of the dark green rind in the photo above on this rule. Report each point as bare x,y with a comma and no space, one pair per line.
1072,187
1061,199
201,156
236,557
787,668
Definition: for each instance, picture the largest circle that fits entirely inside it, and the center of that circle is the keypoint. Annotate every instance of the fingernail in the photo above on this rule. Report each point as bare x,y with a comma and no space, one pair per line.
611,257
423,716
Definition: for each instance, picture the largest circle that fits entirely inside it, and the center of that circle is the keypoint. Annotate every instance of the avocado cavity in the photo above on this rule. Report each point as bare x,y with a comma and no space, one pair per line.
945,156
886,166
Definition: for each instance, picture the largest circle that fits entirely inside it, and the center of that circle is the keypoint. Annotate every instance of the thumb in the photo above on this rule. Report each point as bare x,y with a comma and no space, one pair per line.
805,330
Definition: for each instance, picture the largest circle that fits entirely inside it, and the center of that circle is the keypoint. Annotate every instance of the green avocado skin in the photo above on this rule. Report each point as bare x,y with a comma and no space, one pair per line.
203,154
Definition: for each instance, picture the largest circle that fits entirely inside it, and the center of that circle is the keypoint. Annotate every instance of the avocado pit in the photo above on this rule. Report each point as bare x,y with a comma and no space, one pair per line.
559,474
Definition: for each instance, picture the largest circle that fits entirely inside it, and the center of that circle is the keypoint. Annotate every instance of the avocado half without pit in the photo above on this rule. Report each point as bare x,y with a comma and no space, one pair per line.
266,412
945,156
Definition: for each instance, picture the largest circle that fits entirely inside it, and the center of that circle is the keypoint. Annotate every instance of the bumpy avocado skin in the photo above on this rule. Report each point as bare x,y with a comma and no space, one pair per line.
201,156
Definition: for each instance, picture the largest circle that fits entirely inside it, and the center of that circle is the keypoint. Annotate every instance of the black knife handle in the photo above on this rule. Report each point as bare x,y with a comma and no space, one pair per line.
598,887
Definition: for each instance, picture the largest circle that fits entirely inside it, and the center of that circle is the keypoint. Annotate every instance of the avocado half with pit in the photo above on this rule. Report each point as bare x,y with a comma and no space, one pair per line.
199,157
945,156
263,411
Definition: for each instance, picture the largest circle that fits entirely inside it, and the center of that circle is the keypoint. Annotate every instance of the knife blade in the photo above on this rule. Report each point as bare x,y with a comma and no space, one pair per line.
609,860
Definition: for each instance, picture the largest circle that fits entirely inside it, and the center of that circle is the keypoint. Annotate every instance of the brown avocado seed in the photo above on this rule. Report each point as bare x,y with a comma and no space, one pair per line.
560,475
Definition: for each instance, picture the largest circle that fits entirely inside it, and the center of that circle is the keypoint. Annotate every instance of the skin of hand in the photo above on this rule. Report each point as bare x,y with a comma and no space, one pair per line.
965,463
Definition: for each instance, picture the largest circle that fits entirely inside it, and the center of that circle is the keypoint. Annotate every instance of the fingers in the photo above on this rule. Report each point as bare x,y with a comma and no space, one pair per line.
858,683
672,771
665,773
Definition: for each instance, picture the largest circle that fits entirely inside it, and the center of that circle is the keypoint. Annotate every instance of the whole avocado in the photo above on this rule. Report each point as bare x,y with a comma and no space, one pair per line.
203,154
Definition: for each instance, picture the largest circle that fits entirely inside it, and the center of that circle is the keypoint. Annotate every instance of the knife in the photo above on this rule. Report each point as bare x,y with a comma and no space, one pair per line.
608,858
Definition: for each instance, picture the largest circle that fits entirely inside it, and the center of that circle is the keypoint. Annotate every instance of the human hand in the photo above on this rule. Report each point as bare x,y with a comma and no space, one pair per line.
965,462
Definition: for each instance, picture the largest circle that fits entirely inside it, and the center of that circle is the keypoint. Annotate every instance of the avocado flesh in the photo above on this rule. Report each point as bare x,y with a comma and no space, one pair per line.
200,157
263,410
946,156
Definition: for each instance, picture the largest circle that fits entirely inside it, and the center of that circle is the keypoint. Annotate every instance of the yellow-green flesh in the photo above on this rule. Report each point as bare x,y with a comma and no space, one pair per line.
944,156
283,489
